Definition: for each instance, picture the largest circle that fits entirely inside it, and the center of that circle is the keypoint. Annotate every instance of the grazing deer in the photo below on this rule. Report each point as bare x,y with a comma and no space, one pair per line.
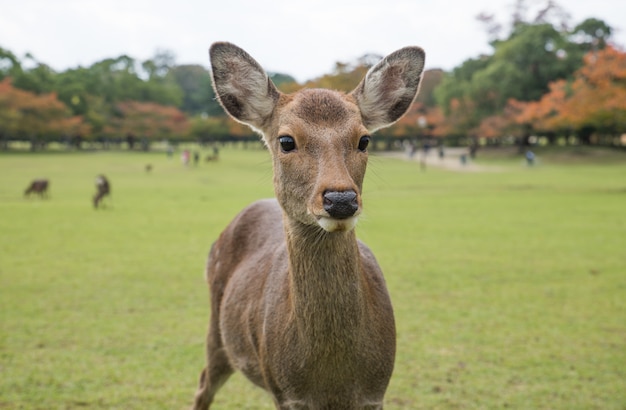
38,186
215,156
102,188
298,305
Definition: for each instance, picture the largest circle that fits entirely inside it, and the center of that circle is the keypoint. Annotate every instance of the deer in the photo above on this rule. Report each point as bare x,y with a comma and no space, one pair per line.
298,304
38,186
103,188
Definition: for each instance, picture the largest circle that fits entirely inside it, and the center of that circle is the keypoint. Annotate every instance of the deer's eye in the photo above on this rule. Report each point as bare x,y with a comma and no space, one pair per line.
287,143
364,142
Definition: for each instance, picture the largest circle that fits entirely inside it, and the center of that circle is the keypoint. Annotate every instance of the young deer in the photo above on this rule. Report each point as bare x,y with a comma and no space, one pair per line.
297,303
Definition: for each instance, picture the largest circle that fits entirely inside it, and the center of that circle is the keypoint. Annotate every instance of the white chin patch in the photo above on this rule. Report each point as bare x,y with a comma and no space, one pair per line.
337,225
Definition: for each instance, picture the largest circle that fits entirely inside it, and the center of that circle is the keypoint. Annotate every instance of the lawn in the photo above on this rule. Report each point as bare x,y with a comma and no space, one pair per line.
509,286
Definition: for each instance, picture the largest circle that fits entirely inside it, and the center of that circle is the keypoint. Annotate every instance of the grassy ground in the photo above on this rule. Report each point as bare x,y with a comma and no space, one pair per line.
509,287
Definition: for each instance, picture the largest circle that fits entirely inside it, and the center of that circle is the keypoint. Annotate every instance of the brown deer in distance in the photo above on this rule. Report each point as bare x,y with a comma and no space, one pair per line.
103,188
38,186
298,304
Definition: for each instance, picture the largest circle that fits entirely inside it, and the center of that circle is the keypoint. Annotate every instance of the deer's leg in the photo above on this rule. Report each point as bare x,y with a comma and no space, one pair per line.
97,199
215,374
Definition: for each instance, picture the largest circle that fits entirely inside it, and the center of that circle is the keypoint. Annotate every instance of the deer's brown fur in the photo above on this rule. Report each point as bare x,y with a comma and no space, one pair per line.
298,304
38,186
103,188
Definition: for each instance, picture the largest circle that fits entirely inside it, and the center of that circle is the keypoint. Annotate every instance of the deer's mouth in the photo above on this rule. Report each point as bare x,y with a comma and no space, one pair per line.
337,225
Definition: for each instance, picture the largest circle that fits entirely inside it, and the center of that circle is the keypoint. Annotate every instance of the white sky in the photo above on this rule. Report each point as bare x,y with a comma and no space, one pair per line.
303,38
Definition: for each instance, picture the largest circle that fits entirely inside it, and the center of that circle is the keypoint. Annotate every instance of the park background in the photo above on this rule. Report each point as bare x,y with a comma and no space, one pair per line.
546,80
507,277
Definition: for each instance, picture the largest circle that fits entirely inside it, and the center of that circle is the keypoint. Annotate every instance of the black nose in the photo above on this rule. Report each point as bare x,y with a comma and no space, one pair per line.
340,204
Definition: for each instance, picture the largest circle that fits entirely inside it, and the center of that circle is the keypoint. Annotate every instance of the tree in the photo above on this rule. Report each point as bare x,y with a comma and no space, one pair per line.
205,129
536,52
521,68
594,101
453,95
159,66
38,118
346,76
197,92
40,79
283,80
10,65
430,81
591,34
147,121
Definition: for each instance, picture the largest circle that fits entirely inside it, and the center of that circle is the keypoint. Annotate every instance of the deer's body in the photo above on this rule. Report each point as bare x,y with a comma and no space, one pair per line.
297,303
38,186
328,353
103,188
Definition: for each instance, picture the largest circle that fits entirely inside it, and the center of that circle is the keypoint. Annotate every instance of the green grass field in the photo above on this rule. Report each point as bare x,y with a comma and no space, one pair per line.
509,287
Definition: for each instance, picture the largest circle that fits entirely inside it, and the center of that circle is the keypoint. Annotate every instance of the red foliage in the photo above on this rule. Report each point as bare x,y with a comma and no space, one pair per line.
26,114
150,120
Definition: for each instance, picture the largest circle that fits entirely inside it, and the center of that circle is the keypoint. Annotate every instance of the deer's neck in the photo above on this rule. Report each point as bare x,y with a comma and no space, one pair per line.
325,281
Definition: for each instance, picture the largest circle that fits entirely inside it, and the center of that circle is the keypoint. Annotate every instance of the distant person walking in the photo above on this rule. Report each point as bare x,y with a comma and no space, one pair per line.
185,157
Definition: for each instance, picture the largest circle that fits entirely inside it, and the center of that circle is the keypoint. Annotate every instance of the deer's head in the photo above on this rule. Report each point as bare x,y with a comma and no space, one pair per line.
318,138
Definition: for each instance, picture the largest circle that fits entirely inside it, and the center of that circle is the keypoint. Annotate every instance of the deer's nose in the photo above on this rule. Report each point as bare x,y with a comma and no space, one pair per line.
340,204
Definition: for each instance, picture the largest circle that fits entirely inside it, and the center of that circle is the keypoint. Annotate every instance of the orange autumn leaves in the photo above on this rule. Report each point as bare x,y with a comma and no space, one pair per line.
147,119
26,114
594,98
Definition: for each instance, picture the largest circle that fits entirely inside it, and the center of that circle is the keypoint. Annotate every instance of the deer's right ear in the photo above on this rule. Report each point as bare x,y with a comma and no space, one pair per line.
242,86
388,89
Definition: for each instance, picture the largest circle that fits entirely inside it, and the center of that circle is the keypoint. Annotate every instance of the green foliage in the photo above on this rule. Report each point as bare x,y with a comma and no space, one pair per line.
591,34
520,68
118,80
9,64
208,128
279,79
537,54
198,94
39,79
523,65
456,84
507,286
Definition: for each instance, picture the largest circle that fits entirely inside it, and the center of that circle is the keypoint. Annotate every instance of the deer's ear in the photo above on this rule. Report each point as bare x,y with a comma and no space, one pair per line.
241,85
388,89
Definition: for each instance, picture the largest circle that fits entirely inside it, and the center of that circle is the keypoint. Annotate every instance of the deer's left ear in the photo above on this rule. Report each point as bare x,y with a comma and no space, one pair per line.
388,89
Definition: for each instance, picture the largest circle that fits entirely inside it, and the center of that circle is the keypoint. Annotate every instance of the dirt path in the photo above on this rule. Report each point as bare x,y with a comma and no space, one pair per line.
451,159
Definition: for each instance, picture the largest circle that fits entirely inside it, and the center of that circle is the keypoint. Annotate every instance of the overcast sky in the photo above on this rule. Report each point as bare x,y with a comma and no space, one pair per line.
303,38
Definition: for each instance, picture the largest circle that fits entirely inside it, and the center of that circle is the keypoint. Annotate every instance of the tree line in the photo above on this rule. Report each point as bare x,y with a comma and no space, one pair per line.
543,79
